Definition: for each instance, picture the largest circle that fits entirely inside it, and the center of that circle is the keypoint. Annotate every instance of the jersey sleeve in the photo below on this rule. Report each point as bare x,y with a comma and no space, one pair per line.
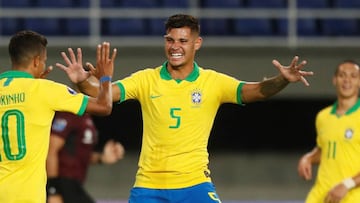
63,98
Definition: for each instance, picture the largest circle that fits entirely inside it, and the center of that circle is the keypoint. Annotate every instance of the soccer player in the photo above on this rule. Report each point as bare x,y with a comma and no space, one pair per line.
337,147
27,107
72,149
179,101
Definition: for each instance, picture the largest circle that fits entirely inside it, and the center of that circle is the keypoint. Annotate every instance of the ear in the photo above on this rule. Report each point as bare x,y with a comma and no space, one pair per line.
198,43
36,61
334,80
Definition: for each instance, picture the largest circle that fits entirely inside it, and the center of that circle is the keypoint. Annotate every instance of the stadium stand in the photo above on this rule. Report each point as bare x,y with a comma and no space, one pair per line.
225,18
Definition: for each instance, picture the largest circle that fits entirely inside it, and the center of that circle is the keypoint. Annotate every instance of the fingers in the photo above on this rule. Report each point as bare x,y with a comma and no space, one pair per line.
72,55
79,56
46,72
114,54
61,66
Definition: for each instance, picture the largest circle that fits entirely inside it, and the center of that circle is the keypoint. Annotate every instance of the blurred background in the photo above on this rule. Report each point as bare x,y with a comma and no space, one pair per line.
253,148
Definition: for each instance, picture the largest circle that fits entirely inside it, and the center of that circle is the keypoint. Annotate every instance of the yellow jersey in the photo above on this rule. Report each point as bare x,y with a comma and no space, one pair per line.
177,119
27,107
339,140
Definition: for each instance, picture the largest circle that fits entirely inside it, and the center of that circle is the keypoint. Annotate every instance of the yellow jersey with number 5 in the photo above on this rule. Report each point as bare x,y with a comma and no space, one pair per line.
177,119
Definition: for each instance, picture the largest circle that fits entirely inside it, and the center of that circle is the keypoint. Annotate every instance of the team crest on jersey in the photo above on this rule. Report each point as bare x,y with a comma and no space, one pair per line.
349,133
196,96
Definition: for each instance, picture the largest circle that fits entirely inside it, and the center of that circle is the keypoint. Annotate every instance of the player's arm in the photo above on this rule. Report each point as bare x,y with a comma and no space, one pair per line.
52,168
339,191
255,91
90,86
306,161
101,102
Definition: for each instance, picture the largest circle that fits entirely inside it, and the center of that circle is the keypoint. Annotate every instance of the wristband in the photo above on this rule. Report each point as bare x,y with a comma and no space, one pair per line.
52,186
105,79
349,183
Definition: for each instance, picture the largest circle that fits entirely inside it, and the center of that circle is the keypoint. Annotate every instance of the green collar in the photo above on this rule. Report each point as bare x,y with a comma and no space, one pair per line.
15,74
164,73
351,110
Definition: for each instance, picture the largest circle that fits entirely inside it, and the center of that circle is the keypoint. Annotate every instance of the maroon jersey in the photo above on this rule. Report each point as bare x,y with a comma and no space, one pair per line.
80,135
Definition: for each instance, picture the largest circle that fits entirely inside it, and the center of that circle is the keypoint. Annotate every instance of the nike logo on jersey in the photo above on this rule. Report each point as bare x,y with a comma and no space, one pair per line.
155,96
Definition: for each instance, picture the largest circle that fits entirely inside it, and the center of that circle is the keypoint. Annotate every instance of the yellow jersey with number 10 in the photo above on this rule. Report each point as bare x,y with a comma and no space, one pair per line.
27,107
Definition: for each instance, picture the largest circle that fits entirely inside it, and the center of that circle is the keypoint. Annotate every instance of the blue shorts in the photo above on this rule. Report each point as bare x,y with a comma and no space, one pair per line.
201,193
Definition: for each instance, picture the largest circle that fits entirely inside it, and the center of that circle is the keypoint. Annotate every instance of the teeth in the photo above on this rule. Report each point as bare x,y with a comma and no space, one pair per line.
176,55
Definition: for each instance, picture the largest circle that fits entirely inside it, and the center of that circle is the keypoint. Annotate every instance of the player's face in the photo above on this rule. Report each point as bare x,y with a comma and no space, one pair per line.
347,80
181,46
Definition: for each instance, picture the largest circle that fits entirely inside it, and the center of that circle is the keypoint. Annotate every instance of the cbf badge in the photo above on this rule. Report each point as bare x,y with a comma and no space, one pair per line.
196,97
349,133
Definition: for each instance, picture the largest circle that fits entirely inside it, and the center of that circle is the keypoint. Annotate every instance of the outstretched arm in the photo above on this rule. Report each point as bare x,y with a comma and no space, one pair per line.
255,91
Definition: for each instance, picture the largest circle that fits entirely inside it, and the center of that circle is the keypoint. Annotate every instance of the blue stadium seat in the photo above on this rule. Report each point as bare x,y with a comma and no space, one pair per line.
127,26
9,26
214,27
45,26
308,27
15,4
313,3
340,27
82,3
305,27
346,3
221,3
55,4
267,3
156,26
253,27
109,3
175,4
140,3
78,26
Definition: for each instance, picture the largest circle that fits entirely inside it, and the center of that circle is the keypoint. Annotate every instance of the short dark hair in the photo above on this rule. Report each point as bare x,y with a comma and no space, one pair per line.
26,44
343,62
183,20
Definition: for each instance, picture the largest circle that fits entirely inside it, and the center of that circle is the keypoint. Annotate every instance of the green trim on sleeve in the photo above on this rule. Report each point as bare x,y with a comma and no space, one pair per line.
83,105
122,92
238,92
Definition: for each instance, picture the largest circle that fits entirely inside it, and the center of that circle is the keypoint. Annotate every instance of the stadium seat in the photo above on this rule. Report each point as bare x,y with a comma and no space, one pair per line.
9,26
175,4
346,3
127,26
313,3
255,27
305,27
82,3
156,26
109,3
308,27
16,4
221,4
77,26
45,26
266,3
140,3
214,27
340,27
55,4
